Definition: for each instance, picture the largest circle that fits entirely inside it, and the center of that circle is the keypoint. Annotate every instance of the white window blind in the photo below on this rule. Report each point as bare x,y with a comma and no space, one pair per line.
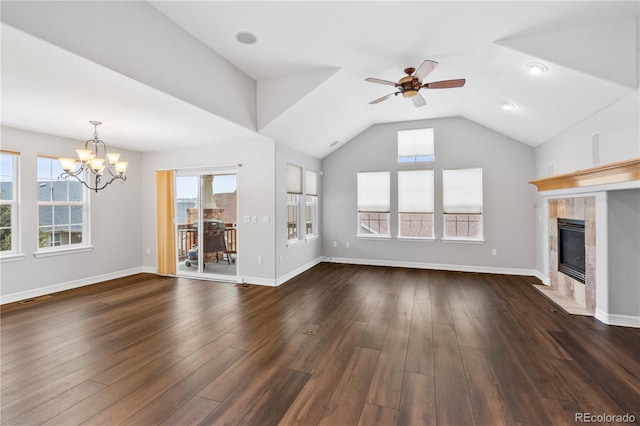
415,145
311,183
294,179
462,191
415,191
374,192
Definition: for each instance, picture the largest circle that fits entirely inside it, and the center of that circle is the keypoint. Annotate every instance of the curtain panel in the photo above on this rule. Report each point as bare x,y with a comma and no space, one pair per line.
165,208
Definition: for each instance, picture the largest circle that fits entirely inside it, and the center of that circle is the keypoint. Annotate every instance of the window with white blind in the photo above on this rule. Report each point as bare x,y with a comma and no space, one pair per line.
415,204
63,209
311,203
294,190
374,193
462,204
416,145
8,203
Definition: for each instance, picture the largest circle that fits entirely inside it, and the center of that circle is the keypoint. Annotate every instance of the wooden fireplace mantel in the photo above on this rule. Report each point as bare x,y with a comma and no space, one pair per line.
621,171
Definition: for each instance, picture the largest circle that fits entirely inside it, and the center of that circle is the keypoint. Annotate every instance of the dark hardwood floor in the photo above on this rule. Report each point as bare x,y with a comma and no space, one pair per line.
337,345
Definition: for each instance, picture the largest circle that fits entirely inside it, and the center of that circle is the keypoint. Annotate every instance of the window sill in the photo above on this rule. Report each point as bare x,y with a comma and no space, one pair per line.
61,252
418,239
293,243
12,257
312,237
372,237
462,241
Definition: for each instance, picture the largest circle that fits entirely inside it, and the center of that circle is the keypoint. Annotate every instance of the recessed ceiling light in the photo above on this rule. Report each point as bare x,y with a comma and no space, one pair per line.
246,38
508,106
536,68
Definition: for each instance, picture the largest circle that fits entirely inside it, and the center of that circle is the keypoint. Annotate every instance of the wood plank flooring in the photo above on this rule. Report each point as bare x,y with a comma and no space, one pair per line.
337,345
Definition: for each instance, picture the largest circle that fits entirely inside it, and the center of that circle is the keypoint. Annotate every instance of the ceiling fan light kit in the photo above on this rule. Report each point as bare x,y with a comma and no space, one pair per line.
410,85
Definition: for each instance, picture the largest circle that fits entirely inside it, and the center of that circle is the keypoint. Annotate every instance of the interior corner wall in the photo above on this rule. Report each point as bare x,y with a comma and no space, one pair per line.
256,188
623,220
508,200
297,257
116,215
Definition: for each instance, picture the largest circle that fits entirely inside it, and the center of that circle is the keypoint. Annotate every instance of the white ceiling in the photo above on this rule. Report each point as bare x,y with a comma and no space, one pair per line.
311,59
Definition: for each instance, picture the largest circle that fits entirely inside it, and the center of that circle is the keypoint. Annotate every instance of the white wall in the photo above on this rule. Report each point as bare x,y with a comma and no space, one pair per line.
135,39
571,150
116,214
508,198
256,186
298,256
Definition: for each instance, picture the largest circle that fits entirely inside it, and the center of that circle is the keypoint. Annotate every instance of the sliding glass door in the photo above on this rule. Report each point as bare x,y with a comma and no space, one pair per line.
206,219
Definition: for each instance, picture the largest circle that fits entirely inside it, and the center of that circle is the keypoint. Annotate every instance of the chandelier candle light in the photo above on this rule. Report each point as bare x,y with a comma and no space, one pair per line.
93,165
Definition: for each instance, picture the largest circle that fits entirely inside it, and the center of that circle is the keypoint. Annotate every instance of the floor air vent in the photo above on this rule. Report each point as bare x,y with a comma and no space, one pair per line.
34,299
244,285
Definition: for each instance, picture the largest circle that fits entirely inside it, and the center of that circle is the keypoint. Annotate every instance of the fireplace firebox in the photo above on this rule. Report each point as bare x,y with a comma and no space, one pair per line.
571,249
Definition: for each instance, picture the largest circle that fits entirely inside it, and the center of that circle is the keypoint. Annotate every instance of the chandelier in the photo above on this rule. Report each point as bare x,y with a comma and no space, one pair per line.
97,167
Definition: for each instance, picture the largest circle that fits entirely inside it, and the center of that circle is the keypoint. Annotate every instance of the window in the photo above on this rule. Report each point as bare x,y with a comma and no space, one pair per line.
462,204
415,203
373,204
294,189
415,145
311,203
8,203
62,208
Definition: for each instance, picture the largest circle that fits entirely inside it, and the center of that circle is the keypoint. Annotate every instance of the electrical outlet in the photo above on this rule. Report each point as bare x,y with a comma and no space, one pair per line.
494,252
335,244
347,244
279,259
259,259
148,251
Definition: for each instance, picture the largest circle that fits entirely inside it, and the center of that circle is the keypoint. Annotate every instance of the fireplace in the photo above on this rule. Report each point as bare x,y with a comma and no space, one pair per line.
571,248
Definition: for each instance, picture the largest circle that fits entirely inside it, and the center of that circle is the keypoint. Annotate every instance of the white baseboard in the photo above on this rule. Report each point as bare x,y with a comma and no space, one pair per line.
545,280
281,280
619,320
438,266
257,281
69,285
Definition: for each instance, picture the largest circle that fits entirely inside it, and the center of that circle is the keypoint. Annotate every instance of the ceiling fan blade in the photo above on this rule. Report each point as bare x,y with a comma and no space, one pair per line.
445,84
383,98
379,81
425,69
418,101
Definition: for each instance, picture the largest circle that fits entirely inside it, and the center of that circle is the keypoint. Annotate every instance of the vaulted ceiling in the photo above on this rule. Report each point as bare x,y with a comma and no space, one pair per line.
171,74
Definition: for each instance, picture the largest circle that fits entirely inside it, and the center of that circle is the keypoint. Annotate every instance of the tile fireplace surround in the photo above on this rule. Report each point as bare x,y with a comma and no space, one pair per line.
581,208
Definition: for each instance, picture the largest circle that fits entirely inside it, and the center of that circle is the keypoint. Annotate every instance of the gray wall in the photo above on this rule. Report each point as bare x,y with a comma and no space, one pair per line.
256,187
116,215
624,252
290,259
508,198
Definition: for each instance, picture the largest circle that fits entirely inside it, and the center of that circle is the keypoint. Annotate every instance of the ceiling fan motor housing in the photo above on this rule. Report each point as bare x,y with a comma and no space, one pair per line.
409,86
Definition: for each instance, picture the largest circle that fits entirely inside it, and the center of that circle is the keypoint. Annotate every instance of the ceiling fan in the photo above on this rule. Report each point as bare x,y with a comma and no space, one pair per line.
410,84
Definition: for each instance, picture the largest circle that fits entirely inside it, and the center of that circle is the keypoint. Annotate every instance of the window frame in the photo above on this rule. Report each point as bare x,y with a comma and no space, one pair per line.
360,212
311,205
294,191
475,211
53,250
13,253
430,185
423,155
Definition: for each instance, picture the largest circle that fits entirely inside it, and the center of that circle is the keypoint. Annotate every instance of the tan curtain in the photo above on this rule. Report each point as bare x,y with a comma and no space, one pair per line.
165,207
